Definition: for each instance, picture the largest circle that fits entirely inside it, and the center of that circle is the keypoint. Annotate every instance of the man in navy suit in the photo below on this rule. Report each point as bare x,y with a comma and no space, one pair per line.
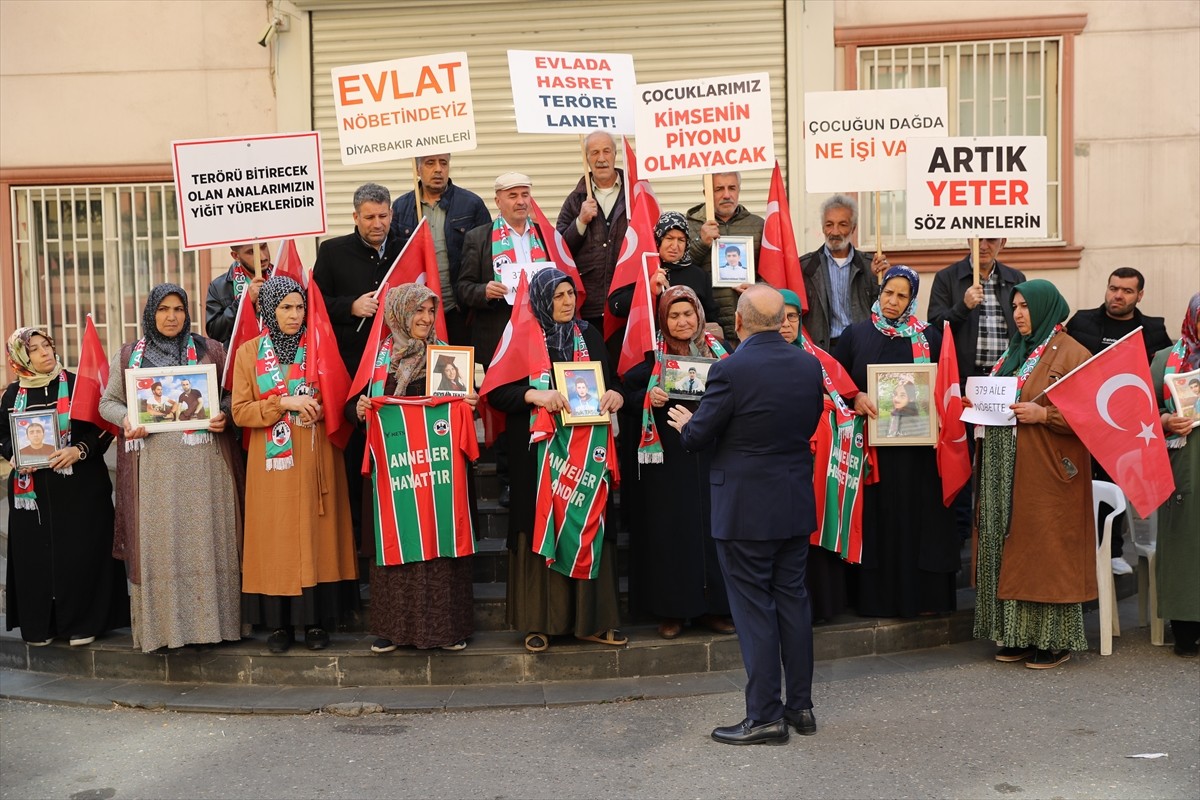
759,411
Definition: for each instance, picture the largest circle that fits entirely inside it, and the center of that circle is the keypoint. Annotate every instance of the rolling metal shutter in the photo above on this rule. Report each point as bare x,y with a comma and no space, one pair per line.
668,41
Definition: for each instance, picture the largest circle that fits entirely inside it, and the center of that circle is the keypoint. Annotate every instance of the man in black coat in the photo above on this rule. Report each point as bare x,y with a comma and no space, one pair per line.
759,411
221,304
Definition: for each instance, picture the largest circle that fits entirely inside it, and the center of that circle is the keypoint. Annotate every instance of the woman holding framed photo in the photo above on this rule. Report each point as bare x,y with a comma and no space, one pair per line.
62,579
298,565
576,594
423,604
674,570
178,524
910,548
677,268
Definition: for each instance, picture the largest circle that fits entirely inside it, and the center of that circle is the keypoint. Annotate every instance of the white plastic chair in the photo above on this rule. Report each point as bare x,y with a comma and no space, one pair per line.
1110,626
1145,540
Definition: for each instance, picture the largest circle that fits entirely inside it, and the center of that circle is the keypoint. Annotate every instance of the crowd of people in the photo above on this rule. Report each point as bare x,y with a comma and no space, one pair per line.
260,518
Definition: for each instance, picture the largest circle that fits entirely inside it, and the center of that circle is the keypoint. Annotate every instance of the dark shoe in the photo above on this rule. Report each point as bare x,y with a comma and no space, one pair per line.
717,624
316,638
803,721
1013,653
670,628
746,732
1048,659
1185,650
280,640
505,496
382,645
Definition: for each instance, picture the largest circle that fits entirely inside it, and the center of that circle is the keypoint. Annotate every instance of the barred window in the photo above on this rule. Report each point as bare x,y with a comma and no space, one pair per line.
94,248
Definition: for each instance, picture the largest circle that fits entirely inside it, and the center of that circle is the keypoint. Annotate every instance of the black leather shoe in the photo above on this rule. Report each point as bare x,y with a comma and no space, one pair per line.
746,732
316,638
280,640
505,496
803,721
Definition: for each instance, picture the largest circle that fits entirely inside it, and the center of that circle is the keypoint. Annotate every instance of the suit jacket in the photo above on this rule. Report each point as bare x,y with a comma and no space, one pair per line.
864,288
759,411
946,303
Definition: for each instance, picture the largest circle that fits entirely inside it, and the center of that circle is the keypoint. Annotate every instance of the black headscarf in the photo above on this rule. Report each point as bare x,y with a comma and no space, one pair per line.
166,351
270,295
559,335
674,221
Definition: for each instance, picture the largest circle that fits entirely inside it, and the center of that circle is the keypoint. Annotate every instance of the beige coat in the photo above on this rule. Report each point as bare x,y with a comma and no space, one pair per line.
298,529
1050,553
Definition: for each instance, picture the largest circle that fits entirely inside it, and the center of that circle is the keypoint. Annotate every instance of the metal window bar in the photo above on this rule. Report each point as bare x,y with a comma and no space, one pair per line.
97,248
981,82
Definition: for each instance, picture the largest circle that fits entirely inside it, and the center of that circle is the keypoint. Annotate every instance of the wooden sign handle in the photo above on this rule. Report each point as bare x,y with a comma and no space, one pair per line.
878,234
587,168
974,260
417,188
709,207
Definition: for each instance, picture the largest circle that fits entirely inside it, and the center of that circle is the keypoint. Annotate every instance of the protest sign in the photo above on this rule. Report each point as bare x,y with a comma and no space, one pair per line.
704,125
406,107
987,186
990,400
510,275
248,188
856,141
572,92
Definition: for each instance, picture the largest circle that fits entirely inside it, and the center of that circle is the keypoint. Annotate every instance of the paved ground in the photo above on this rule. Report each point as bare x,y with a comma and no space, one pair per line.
948,722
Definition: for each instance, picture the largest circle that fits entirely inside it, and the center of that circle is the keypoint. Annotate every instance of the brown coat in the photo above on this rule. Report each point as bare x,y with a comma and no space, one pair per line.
1050,553
298,530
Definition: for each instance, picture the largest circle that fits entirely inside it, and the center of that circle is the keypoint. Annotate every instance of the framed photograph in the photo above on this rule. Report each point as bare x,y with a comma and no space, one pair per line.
1185,391
34,437
903,393
172,398
582,383
733,261
685,378
449,370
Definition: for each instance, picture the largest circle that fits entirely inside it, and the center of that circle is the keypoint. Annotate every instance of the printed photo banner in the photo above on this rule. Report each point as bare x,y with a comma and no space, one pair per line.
987,186
705,125
857,141
403,108
572,92
248,188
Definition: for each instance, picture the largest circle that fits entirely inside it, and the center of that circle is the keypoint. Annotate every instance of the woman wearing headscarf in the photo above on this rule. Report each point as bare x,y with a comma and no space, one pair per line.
178,495
1177,563
424,604
910,550
298,565
542,600
675,573
62,579
1036,557
676,268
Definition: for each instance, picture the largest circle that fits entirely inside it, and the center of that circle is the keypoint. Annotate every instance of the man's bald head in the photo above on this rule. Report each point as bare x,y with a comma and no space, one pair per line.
759,309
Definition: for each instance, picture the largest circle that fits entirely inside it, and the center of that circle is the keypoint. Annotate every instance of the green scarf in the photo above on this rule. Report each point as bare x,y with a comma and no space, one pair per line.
1047,308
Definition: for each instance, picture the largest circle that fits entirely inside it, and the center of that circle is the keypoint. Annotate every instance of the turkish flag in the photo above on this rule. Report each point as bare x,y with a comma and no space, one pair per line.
639,328
520,355
327,368
1109,403
558,251
145,383
953,458
642,207
90,380
778,259
245,327
287,262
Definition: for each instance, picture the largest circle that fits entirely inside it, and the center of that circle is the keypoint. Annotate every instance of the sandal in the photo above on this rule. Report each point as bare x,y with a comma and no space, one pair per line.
612,636
536,642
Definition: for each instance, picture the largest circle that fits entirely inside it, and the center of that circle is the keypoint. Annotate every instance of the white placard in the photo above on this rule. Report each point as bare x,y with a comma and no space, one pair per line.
248,188
572,92
987,186
403,108
510,275
704,125
990,400
856,141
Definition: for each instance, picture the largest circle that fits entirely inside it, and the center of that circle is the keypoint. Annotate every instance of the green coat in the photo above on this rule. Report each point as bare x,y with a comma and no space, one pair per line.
1178,548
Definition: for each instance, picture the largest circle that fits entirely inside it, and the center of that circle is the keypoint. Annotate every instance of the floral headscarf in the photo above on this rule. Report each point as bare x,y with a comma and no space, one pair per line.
1188,333
18,359
674,221
696,346
560,336
408,354
270,295
165,351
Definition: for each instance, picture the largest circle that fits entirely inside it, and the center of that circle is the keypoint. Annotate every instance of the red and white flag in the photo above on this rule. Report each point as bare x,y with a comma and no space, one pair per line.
90,380
245,327
779,259
642,208
639,328
522,349
560,254
1109,403
331,376
953,458
287,262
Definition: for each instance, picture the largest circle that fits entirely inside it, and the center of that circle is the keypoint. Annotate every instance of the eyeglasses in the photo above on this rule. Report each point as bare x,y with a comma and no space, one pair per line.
793,317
